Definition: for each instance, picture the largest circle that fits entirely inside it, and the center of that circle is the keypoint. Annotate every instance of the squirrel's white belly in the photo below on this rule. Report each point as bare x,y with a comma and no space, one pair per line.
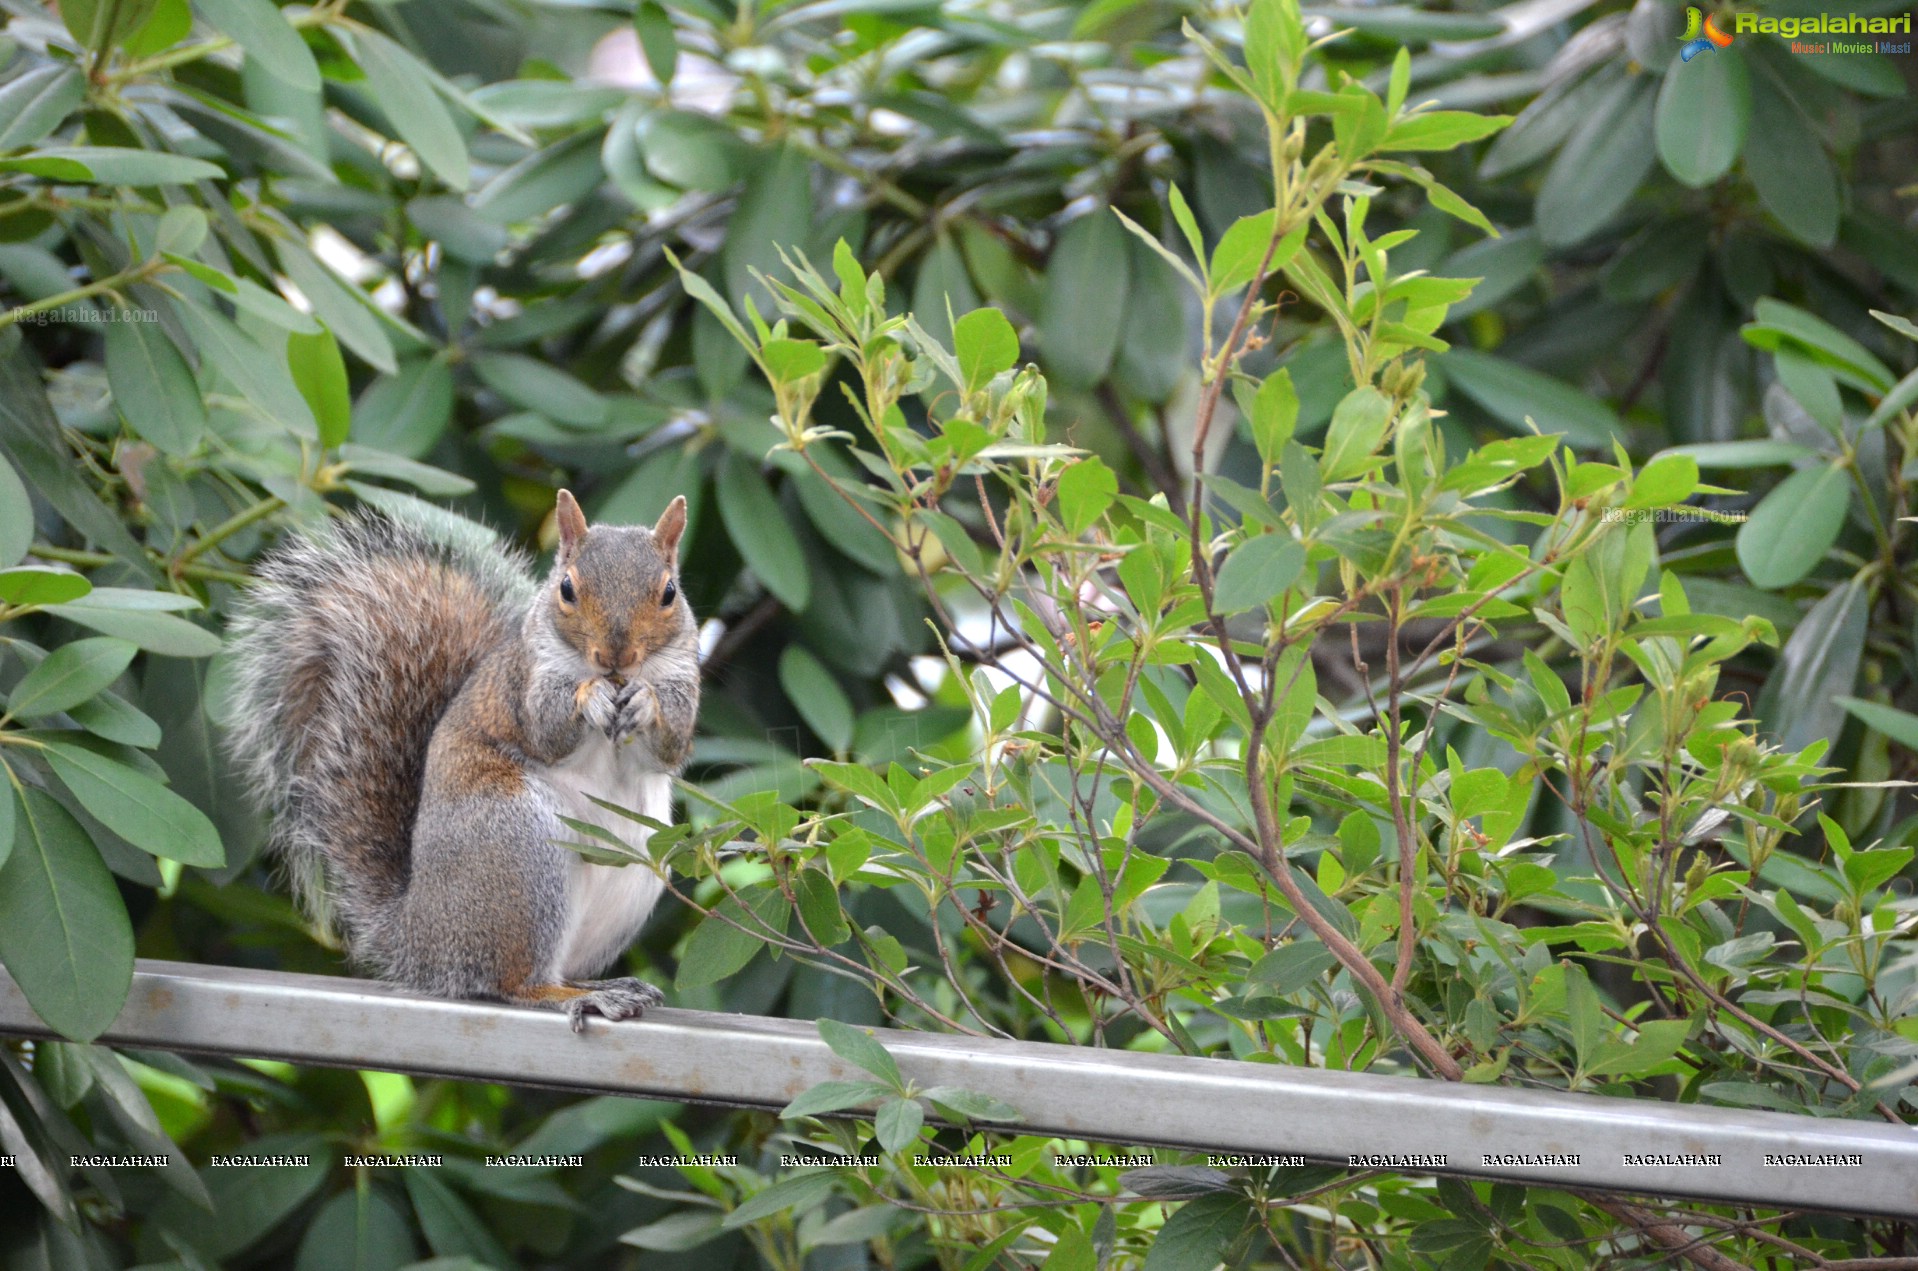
605,904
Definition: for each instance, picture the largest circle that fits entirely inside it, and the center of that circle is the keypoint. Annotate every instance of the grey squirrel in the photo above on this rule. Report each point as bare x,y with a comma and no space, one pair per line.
417,713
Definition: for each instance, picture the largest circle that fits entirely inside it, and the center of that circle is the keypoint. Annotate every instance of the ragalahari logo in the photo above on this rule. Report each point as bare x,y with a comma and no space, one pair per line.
1695,42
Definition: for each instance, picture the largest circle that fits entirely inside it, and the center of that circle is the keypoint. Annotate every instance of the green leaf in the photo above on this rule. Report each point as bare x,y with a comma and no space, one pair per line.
789,361
30,434
1601,167
774,212
182,229
320,374
1867,76
1901,398
70,675
404,90
153,632
1818,666
1667,479
1704,113
1867,871
1780,325
251,299
817,696
1292,966
1900,726
859,1047
170,23
758,528
137,599
1358,429
16,519
111,716
463,233
111,165
971,1105
1812,386
1240,249
942,287
1197,1236
560,176
1275,414
99,25
258,371
250,1201
1511,392
32,585
1585,1014
35,103
533,385
840,521
1442,130
343,307
1789,168
1086,490
720,948
1071,1251
1188,224
128,1107
819,907
262,30
898,1123
986,345
1257,571
1793,527
656,39
423,477
451,1227
693,152
406,413
1743,454
549,103
835,1096
674,1233
135,806
800,1192
357,1230
64,933
1087,282
1408,24
1602,582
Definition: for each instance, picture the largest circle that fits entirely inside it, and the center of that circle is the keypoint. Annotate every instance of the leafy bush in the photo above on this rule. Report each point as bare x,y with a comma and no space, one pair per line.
1416,742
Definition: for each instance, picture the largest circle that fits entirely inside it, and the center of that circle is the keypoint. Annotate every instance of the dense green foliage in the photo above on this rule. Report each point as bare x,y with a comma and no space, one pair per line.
1432,739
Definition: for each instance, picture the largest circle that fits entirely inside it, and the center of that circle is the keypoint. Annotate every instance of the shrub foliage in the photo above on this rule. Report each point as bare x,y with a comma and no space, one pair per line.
1214,542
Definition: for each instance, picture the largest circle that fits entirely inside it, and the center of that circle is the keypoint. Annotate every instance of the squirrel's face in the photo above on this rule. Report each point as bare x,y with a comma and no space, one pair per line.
615,589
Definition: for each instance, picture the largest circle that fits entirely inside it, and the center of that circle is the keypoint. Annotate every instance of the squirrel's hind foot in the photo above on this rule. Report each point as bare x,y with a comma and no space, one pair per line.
624,998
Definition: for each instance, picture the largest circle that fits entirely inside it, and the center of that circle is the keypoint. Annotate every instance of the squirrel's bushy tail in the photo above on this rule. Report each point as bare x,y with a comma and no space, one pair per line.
348,648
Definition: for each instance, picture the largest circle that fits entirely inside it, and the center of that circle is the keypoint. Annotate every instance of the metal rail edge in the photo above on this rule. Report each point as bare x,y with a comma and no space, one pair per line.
1215,1106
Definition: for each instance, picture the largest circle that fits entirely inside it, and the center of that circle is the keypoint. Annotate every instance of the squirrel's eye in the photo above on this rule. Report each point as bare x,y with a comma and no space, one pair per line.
666,597
566,591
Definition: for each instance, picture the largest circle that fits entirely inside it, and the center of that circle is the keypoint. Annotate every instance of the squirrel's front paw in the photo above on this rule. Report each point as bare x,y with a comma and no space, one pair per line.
598,704
624,998
636,708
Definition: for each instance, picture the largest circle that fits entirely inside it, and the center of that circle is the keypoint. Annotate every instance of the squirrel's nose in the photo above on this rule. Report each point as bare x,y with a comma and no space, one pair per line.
631,660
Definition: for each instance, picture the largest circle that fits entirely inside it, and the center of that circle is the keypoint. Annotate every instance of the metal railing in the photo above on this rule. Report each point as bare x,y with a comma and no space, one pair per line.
1212,1106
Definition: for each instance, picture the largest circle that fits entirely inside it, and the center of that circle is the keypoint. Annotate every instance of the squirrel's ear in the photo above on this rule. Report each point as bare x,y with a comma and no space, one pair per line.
572,524
671,524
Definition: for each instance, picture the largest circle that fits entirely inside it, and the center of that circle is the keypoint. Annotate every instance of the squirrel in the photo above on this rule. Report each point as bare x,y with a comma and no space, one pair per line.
418,713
